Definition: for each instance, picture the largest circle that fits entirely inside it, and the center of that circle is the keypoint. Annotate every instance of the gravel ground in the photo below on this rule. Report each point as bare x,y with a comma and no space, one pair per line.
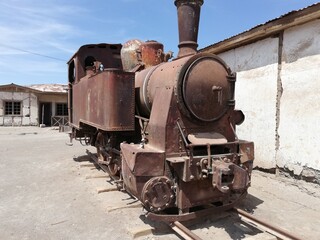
46,192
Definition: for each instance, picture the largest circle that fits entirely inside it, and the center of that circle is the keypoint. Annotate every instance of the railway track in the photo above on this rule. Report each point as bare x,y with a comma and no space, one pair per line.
278,232
183,231
187,234
265,226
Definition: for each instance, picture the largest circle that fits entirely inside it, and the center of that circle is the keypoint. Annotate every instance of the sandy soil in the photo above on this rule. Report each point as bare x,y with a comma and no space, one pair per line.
46,192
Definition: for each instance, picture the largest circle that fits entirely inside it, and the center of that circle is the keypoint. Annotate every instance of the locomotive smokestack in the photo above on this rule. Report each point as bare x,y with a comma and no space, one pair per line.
188,21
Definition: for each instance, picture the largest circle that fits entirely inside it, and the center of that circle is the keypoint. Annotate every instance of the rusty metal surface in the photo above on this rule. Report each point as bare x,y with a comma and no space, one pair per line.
188,23
137,55
130,54
184,232
205,174
143,161
107,54
196,214
205,89
167,130
246,151
280,233
107,101
201,84
158,193
151,53
139,165
148,81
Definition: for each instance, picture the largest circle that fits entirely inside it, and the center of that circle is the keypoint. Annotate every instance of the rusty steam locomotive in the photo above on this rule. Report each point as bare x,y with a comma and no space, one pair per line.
165,130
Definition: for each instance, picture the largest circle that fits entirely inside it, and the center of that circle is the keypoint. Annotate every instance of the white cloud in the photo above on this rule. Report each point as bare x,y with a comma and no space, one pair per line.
38,27
30,31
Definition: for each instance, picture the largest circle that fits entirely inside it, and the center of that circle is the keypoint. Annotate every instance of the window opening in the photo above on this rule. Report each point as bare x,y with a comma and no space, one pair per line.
12,108
62,109
89,61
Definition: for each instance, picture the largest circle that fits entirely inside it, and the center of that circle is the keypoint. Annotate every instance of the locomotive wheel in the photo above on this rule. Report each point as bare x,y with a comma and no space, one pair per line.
114,169
100,142
157,194
113,166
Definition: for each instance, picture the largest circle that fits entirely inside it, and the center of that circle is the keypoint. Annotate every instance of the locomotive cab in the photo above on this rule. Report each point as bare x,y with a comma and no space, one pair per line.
96,79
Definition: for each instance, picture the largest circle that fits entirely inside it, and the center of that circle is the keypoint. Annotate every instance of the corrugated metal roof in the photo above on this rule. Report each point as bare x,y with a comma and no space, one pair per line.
50,88
270,22
286,14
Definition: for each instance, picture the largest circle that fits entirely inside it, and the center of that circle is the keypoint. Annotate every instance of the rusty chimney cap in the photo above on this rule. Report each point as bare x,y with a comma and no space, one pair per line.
179,2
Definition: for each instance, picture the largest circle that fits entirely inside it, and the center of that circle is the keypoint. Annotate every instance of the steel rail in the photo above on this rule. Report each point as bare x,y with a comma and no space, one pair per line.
274,230
102,166
184,232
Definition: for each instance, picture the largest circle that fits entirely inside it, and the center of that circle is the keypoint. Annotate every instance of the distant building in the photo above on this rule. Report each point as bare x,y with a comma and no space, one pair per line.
278,86
33,105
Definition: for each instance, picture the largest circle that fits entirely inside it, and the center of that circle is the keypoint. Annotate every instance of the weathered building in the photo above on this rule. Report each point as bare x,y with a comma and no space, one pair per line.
278,86
33,105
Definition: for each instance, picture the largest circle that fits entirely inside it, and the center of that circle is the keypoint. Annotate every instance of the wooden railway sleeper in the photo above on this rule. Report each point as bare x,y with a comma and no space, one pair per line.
183,231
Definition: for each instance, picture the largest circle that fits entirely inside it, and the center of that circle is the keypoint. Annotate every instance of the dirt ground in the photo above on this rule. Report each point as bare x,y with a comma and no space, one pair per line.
47,191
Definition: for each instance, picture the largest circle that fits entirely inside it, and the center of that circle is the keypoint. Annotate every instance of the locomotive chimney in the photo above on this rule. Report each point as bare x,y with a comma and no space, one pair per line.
188,21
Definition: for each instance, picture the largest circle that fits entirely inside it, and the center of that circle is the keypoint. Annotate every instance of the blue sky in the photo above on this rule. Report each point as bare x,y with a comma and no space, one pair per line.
38,37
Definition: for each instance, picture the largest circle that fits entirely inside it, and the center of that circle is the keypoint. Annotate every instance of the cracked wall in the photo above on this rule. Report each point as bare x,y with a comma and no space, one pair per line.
300,102
278,89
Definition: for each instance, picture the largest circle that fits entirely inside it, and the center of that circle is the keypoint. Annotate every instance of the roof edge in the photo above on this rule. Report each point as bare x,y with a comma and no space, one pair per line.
13,85
268,29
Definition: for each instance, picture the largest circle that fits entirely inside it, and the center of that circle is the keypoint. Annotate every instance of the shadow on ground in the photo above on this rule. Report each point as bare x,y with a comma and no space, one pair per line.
227,221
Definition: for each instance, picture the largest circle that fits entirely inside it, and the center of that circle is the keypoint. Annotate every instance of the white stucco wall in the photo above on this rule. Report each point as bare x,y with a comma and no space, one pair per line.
300,102
29,109
298,107
256,90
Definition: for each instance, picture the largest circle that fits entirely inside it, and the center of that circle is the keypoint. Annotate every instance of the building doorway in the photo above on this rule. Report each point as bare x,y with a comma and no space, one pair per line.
45,113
